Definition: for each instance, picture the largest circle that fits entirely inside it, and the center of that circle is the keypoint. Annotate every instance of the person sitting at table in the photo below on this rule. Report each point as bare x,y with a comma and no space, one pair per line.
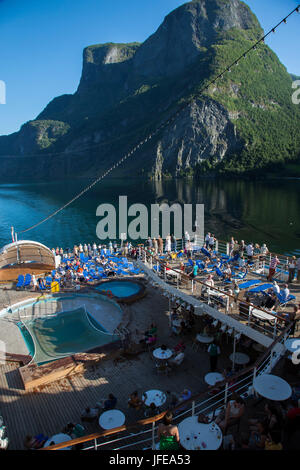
168,433
134,401
272,418
152,330
89,414
178,329
35,442
151,411
183,397
258,437
273,441
234,410
74,430
110,403
177,360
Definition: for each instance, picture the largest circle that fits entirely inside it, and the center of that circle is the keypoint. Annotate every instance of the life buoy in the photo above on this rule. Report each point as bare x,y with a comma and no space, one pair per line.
109,294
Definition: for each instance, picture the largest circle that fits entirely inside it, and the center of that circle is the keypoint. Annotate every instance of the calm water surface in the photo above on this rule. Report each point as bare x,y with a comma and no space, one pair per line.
258,211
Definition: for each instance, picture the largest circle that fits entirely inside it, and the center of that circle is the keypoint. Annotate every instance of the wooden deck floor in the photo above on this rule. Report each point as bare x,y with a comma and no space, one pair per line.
50,409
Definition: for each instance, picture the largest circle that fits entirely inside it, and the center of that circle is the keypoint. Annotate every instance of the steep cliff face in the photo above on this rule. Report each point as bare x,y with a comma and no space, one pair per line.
203,132
245,121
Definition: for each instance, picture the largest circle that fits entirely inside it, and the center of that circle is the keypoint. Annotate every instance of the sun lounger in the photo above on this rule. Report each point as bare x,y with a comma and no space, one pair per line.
20,281
205,252
28,279
247,284
283,301
261,288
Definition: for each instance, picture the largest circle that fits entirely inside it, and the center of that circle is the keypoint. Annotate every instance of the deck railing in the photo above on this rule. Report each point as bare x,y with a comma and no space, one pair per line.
260,319
142,434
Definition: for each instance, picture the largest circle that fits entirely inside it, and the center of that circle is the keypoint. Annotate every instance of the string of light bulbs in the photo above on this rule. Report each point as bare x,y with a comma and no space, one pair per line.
163,124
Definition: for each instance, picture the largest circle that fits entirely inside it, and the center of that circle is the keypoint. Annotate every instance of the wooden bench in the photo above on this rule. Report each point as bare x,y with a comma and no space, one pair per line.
34,376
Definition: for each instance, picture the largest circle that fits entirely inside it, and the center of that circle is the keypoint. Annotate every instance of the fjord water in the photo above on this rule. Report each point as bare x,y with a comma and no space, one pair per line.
258,211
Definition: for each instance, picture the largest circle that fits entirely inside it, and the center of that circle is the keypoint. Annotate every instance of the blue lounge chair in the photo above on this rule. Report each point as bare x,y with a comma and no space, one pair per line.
20,281
205,252
28,279
283,301
247,284
240,276
219,273
261,288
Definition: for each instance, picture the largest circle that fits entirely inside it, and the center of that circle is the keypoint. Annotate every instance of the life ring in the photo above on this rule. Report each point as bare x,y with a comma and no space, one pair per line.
109,294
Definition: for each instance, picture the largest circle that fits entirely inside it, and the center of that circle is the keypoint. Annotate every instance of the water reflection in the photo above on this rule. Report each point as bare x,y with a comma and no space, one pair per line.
251,210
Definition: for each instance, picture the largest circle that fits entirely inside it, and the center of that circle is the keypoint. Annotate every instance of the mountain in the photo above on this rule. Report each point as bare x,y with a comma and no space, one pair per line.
244,122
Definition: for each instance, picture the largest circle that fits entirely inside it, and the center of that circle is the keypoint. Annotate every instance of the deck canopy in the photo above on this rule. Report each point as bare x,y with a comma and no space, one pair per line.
26,251
25,256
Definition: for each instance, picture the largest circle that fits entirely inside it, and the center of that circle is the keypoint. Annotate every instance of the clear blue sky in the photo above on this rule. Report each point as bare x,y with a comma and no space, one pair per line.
42,42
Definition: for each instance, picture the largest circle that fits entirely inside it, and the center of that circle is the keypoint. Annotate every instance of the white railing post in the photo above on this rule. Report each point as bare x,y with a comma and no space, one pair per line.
227,249
275,327
193,408
153,435
192,286
254,374
226,395
95,444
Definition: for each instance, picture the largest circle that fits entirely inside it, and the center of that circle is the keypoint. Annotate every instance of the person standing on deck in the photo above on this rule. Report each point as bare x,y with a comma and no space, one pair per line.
292,269
213,351
186,237
272,269
206,240
249,251
298,270
160,245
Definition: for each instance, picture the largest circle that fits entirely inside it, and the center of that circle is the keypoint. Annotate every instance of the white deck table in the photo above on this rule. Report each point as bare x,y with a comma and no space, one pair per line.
155,396
292,344
204,339
239,358
111,419
272,387
199,436
162,354
58,439
213,377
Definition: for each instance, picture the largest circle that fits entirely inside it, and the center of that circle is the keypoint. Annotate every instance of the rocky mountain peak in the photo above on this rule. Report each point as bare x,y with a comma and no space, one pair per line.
188,30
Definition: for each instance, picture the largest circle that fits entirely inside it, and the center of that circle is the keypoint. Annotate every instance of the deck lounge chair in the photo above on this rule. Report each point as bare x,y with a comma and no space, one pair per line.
283,301
205,252
28,279
20,281
261,288
247,284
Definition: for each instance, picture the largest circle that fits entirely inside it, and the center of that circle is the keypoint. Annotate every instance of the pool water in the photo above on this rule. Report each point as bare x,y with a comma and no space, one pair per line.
121,289
63,334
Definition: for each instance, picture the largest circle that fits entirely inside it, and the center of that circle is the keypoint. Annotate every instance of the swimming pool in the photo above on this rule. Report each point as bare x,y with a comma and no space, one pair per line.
122,289
69,325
